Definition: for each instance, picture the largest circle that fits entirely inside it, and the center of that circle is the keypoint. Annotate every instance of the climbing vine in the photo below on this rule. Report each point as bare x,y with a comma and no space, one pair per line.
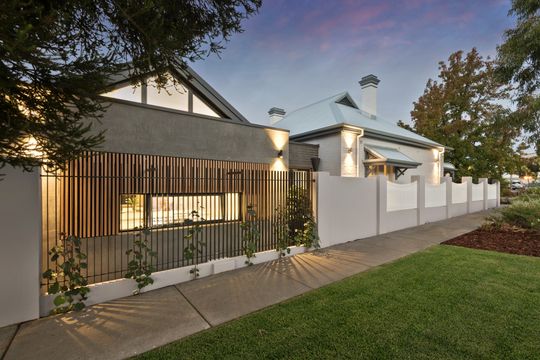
66,280
194,242
139,267
250,235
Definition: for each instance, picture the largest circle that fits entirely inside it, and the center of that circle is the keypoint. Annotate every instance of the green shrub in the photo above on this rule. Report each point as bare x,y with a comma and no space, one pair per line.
523,213
531,194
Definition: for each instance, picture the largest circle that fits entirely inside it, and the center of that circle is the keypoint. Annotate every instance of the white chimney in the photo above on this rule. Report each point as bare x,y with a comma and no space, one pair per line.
368,102
276,114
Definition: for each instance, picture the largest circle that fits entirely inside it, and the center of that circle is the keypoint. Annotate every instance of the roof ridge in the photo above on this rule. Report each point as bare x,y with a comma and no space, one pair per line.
343,93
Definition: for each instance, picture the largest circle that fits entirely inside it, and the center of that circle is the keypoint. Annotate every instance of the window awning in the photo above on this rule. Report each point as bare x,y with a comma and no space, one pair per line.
389,156
448,166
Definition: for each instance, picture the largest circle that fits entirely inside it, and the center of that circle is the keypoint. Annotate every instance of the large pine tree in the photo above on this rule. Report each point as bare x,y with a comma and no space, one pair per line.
55,57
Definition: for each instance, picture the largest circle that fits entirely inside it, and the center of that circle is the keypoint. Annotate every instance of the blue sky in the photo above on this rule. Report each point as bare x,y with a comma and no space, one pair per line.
295,52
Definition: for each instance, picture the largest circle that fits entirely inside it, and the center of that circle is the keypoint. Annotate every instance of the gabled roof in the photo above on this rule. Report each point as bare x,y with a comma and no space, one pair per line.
197,83
341,109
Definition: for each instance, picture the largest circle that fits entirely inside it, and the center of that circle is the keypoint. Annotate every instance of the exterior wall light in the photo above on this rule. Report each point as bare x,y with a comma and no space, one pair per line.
349,150
280,154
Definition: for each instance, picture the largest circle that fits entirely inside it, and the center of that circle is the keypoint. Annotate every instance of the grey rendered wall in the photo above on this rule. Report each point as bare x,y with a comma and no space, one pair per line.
300,155
20,222
145,129
329,153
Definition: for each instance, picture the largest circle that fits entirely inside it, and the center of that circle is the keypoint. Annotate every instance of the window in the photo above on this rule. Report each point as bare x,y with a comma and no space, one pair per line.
172,209
128,93
173,96
200,107
132,211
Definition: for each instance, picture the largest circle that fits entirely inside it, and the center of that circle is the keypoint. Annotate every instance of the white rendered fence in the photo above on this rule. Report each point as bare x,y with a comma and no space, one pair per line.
401,196
435,195
459,193
477,192
354,208
492,191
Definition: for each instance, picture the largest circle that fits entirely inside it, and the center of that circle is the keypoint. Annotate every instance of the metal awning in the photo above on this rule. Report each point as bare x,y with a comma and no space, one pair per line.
389,156
448,166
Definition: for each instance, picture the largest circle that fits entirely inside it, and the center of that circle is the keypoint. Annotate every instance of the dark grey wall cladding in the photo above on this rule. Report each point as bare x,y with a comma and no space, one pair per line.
136,129
300,155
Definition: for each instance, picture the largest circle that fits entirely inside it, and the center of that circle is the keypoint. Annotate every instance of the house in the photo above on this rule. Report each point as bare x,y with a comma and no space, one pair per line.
354,141
170,158
186,166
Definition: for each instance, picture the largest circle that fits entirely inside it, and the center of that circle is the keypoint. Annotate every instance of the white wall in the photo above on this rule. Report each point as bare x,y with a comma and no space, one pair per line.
351,208
343,201
401,196
20,225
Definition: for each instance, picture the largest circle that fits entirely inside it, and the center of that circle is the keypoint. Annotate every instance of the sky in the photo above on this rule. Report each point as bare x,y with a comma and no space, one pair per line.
296,52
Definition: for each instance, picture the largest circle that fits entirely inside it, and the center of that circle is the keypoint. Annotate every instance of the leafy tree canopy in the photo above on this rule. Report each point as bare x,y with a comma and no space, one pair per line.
463,110
56,56
519,63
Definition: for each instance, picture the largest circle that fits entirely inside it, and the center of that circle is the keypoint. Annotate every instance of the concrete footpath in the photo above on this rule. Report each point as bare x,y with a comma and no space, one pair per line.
129,326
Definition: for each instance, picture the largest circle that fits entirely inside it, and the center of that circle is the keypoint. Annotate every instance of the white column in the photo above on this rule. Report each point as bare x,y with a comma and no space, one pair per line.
381,203
20,241
484,182
468,180
448,181
421,198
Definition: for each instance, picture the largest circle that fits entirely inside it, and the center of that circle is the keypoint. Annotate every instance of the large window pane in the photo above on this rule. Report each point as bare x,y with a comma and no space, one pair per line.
128,93
177,209
173,96
199,107
131,211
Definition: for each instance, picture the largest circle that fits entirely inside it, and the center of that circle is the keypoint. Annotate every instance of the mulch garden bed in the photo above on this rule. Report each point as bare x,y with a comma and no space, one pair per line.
507,240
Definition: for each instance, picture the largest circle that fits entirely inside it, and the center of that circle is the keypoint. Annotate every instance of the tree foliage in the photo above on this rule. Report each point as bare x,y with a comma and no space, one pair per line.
463,110
519,63
56,56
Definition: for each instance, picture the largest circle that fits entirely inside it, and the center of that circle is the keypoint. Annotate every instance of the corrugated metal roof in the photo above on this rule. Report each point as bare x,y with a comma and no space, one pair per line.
332,111
391,155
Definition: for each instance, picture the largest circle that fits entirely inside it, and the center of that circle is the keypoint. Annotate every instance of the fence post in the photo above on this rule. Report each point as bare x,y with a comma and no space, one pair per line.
448,181
484,182
468,180
498,184
20,221
381,203
420,198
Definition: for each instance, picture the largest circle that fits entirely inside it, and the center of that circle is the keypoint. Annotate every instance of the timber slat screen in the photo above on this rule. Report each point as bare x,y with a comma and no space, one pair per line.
106,198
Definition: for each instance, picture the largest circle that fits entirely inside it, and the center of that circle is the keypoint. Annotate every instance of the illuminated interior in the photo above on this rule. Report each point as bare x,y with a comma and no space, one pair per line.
132,211
137,210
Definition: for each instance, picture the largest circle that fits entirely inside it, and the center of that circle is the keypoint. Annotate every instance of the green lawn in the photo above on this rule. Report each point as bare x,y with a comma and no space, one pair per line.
444,303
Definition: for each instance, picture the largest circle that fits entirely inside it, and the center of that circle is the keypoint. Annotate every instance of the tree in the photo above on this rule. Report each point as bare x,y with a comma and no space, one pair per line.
519,63
463,110
56,56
